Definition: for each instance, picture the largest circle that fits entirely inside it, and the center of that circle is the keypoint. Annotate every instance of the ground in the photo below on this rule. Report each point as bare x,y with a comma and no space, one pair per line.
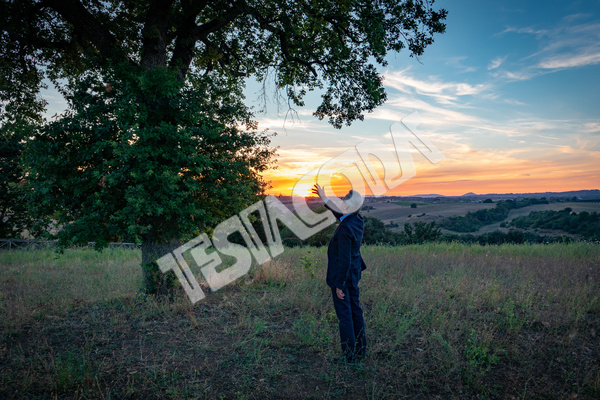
445,321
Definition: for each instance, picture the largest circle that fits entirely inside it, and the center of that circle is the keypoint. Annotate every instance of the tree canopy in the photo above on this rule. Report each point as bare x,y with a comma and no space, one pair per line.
157,143
306,45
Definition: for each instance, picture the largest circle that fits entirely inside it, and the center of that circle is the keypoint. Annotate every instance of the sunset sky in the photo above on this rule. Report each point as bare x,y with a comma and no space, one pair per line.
510,94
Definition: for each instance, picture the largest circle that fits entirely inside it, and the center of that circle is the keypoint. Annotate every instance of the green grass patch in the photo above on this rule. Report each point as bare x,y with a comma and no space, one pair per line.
36,282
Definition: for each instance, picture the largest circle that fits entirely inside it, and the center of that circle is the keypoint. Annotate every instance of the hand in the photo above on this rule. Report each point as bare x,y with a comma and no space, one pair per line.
340,293
319,190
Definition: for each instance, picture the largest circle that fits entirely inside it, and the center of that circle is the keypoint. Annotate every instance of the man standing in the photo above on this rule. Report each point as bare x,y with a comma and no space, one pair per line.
344,267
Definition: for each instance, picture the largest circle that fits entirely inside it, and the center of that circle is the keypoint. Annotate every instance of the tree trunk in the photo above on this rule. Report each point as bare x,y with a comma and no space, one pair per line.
154,35
155,282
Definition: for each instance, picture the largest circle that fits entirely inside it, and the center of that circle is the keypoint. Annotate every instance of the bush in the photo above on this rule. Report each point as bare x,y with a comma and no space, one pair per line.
475,220
584,224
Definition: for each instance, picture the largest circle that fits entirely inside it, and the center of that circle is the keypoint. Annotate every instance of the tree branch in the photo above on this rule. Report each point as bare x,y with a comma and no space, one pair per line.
185,41
88,26
154,41
224,61
189,33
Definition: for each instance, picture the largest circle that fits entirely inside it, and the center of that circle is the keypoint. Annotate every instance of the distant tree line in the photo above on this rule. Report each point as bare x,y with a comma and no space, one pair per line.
472,221
513,236
584,224
419,232
375,232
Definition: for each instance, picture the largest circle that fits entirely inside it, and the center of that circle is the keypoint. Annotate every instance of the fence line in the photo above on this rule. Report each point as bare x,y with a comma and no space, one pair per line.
26,244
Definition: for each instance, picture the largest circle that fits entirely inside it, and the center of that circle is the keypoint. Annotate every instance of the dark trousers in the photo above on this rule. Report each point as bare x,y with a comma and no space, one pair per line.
351,323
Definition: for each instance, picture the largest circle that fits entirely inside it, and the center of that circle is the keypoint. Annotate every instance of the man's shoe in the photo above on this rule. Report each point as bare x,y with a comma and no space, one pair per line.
344,359
351,359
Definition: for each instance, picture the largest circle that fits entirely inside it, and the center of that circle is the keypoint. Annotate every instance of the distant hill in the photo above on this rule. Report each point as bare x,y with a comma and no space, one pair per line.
428,196
575,195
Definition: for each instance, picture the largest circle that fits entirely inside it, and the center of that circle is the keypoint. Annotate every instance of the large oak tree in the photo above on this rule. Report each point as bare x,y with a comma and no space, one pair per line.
157,143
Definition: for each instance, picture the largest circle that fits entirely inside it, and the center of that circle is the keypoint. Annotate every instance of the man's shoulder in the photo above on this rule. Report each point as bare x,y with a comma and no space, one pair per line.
352,223
356,219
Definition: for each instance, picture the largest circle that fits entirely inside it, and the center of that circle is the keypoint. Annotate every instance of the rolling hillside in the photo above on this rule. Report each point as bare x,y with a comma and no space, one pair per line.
426,212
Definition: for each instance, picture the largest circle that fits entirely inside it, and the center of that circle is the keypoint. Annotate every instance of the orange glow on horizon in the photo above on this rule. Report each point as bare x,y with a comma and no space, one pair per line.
457,183
417,188
462,171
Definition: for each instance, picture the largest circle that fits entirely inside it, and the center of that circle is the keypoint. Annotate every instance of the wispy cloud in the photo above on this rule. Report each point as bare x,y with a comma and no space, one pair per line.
441,91
574,17
592,127
568,45
517,75
399,106
496,62
292,123
572,46
514,102
570,60
458,63
526,30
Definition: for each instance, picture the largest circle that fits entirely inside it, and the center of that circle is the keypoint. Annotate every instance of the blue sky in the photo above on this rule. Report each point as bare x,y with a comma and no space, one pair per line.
510,94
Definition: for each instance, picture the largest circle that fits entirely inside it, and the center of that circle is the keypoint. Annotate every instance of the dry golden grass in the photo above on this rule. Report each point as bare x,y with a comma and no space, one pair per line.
446,321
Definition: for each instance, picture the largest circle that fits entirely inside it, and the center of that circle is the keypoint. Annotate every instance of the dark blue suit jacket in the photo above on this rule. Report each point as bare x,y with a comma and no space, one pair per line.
344,262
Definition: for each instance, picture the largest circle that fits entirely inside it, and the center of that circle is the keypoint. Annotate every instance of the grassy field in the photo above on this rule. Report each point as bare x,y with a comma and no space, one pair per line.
399,213
445,321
